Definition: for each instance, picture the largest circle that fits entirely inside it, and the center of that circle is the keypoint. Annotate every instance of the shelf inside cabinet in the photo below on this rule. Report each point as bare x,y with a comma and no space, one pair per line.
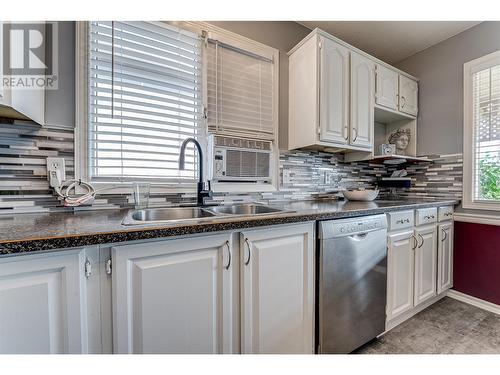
398,159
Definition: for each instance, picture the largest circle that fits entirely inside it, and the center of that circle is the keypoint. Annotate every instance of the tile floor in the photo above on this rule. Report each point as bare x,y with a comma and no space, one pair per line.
447,327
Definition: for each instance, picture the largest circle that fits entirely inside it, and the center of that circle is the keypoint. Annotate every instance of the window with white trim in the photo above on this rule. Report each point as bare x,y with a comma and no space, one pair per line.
147,86
482,133
144,98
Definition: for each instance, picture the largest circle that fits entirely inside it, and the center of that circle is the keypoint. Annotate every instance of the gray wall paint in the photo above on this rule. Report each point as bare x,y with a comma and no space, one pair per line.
440,70
282,35
60,103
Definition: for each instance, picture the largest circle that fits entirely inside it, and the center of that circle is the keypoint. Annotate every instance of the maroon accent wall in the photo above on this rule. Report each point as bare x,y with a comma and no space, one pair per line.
476,263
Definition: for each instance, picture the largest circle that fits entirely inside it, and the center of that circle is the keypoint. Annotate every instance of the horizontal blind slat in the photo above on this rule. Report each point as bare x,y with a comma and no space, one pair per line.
145,98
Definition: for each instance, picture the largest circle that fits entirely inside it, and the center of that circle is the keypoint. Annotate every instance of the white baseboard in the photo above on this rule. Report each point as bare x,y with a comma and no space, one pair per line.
482,304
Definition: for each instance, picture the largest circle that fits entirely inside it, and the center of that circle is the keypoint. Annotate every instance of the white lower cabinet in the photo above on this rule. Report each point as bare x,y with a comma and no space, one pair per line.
445,257
186,295
425,264
43,303
400,273
277,290
419,259
174,296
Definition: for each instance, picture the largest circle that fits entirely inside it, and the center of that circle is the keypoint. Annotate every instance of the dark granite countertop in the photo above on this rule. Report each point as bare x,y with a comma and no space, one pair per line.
24,233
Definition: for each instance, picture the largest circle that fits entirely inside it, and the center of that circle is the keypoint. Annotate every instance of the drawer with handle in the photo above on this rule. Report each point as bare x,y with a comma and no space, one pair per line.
426,216
400,219
445,213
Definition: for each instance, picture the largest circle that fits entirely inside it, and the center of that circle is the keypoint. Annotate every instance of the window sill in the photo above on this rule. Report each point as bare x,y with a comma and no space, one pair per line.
477,218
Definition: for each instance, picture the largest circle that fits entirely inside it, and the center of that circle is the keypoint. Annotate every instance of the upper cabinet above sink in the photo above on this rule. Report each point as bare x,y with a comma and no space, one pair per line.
342,99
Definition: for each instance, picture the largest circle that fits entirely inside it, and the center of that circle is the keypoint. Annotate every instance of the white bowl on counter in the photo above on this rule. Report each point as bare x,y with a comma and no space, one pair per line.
360,195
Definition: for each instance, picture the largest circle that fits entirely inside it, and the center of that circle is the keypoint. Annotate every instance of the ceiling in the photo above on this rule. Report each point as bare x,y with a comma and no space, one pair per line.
391,41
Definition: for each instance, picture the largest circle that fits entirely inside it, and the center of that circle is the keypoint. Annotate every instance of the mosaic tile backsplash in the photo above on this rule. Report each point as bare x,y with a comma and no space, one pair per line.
303,175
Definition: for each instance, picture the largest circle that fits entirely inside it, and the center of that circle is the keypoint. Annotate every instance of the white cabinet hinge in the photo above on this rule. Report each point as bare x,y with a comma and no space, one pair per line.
88,268
109,268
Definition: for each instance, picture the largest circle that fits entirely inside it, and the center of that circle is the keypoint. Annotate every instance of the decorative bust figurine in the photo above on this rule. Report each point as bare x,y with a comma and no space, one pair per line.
400,138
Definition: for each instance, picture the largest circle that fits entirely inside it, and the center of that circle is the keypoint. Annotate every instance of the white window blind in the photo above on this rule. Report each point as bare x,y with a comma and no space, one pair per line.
240,91
145,98
486,122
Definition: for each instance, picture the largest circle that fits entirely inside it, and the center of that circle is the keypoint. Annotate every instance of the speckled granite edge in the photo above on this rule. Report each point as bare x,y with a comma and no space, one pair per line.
143,232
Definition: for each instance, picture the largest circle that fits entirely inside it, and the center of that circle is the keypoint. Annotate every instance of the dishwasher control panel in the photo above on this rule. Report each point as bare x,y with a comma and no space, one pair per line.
343,227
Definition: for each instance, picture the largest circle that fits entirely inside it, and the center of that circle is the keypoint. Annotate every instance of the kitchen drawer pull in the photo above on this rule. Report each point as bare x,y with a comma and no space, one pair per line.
419,246
402,221
228,255
249,252
347,133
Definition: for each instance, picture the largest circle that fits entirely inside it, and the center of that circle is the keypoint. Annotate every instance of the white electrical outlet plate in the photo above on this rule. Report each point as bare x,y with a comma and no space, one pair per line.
56,164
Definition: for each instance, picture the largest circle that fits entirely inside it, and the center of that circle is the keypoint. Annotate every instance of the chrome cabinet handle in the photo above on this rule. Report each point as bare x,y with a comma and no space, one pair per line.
109,267
347,132
355,131
228,255
445,236
402,221
415,242
419,246
403,101
249,252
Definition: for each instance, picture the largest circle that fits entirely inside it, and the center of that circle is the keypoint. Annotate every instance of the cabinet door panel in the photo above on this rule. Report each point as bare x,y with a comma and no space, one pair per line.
445,257
169,296
277,291
387,87
425,264
408,95
42,304
334,92
362,94
400,273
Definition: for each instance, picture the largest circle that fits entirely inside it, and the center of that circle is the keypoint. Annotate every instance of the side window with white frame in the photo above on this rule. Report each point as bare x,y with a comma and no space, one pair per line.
146,86
482,133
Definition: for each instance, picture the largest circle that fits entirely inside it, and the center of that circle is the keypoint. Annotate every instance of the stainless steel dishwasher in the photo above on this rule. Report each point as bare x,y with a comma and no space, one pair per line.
352,275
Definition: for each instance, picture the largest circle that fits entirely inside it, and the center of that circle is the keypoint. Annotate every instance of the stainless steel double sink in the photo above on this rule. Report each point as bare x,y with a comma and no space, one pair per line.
177,215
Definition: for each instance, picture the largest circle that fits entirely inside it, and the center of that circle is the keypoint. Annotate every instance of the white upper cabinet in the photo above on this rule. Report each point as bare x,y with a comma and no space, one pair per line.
174,296
43,304
387,87
332,96
277,290
334,92
408,95
362,94
21,103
